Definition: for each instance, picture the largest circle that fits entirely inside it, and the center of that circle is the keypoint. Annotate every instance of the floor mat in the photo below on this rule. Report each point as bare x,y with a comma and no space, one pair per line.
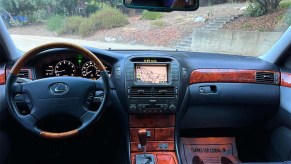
210,150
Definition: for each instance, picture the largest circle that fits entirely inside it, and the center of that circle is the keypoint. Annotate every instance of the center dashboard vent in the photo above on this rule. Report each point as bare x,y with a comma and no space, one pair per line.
140,92
152,92
265,77
164,92
24,73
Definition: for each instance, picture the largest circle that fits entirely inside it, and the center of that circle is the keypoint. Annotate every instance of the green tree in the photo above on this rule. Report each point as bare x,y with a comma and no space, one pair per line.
69,5
112,3
268,5
23,7
52,7
28,7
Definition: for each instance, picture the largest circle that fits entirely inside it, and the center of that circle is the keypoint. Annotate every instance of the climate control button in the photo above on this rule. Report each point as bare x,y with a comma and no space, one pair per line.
132,108
172,108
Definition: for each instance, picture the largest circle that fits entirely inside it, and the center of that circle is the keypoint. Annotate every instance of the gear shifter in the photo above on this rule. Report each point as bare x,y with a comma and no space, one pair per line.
142,136
144,158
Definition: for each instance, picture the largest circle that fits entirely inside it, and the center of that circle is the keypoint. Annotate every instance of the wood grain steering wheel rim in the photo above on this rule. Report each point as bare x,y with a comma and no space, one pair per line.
11,81
20,63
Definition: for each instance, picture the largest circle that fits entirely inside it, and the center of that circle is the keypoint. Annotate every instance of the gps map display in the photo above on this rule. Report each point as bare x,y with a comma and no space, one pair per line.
152,74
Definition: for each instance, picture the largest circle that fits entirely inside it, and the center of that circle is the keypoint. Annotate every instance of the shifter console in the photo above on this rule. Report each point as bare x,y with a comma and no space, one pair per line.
152,85
145,159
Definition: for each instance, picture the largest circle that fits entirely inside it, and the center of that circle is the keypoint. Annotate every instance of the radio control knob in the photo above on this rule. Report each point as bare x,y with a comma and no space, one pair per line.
172,108
132,108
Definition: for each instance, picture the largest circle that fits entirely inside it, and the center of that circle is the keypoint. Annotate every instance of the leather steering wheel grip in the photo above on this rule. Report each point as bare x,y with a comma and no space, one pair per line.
26,57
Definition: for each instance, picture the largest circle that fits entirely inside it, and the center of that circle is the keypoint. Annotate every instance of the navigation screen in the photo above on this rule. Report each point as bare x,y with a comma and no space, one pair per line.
152,74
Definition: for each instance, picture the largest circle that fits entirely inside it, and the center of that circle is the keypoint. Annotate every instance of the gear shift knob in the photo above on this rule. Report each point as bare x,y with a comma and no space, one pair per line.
142,136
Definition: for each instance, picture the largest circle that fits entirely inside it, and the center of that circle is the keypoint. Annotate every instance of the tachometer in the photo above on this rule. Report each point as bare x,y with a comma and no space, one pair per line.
65,68
90,70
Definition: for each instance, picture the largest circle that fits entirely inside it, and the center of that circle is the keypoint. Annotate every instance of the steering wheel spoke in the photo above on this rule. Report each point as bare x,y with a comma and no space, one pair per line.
28,121
42,111
16,88
99,84
87,117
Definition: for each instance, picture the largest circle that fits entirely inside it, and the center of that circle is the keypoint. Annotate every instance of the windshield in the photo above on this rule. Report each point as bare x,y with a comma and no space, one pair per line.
241,27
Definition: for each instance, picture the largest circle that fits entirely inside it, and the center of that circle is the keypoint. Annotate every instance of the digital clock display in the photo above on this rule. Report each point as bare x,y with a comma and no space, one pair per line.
150,60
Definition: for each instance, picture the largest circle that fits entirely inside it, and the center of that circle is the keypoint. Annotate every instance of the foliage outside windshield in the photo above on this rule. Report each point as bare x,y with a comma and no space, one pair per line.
225,26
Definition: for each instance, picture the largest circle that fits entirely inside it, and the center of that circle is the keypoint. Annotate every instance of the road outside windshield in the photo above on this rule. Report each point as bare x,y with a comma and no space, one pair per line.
241,27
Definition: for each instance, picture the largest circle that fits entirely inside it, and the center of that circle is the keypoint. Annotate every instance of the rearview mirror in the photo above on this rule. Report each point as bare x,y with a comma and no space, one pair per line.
163,5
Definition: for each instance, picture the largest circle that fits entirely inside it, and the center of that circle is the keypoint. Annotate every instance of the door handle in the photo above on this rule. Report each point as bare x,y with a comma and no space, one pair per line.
207,89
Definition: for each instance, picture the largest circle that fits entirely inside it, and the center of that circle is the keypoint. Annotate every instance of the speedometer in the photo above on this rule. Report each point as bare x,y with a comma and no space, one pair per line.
90,70
65,68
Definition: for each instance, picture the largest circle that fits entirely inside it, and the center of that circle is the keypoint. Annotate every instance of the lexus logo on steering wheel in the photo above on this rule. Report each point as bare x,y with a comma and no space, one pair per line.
59,88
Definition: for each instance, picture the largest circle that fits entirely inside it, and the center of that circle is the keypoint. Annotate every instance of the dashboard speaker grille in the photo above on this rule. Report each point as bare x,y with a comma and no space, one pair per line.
265,77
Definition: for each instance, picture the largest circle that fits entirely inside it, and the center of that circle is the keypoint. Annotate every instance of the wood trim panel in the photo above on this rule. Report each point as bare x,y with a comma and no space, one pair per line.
151,121
164,134
2,77
166,159
160,157
286,79
157,134
134,134
224,75
153,146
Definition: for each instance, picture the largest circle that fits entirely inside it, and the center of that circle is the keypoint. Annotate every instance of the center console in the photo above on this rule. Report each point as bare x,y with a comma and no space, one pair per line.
152,85
160,133
152,100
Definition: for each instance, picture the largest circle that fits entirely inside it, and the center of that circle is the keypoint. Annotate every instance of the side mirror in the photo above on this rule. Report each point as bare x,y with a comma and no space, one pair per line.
163,5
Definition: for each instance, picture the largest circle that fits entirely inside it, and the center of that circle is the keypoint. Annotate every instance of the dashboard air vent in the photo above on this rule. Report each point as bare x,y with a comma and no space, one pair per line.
265,77
24,73
164,92
141,92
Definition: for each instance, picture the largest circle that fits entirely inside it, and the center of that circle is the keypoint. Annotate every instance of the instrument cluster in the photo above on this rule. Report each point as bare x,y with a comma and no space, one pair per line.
73,67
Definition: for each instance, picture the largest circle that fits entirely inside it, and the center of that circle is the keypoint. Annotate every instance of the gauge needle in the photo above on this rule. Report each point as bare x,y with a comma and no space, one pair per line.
61,71
88,73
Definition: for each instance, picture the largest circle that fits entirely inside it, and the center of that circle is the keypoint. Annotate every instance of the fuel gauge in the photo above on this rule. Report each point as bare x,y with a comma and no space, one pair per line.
50,71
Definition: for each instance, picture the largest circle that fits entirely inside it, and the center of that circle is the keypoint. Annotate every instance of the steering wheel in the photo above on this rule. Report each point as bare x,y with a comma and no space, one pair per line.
57,95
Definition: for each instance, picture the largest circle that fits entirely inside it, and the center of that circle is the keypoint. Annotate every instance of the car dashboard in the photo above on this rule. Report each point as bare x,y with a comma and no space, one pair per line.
169,82
167,92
